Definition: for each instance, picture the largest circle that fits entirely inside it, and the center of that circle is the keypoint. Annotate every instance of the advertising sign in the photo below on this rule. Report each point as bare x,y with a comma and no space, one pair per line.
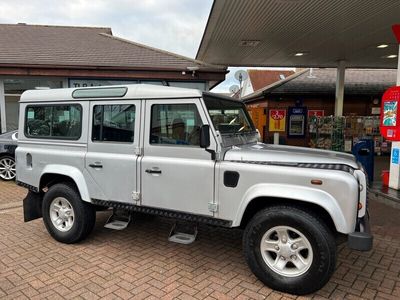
297,121
316,113
390,125
277,120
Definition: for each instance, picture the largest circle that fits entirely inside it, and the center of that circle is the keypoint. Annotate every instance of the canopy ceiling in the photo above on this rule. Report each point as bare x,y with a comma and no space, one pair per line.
269,33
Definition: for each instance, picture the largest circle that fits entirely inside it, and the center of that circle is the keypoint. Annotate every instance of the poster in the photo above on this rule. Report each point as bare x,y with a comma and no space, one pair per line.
316,113
277,120
389,113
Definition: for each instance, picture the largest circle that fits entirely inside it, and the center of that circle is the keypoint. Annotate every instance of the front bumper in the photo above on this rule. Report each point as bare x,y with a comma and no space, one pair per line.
361,239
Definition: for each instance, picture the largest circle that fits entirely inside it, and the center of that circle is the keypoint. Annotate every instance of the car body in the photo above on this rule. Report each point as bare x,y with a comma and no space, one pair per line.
8,144
124,147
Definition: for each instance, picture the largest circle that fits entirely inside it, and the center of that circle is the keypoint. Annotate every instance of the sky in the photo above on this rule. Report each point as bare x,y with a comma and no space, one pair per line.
172,25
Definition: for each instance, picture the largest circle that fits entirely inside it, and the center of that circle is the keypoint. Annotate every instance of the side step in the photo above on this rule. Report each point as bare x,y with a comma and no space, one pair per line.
183,233
119,220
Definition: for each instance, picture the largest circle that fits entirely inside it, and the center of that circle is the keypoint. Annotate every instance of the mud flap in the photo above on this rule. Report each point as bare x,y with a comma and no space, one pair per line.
32,206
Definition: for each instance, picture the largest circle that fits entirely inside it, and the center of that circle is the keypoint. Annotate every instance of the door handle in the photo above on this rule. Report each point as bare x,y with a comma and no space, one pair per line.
96,166
151,171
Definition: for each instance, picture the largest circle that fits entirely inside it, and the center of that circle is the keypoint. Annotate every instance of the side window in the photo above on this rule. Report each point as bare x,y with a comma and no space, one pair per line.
113,123
175,124
53,121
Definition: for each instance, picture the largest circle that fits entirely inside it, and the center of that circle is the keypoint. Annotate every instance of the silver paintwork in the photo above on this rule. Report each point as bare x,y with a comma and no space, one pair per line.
61,214
190,180
286,251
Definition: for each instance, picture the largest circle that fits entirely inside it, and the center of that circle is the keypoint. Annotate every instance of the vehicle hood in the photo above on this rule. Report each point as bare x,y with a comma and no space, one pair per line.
9,138
278,154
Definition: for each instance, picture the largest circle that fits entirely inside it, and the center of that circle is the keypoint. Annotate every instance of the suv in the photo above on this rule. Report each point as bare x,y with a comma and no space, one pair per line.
195,157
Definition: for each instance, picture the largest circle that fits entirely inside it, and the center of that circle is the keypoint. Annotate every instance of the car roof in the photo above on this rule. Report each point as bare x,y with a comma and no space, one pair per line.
133,91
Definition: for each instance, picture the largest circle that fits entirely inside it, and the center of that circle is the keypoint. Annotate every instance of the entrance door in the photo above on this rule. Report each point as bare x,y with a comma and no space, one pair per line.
111,159
176,173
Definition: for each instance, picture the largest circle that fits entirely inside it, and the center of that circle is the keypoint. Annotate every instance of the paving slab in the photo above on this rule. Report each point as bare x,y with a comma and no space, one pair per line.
139,262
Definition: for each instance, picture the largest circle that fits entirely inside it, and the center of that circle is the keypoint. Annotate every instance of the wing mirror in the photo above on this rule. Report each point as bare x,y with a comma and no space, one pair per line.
205,136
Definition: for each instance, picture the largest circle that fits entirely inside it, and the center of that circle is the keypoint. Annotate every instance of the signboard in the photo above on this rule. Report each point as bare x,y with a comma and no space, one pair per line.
297,121
395,156
77,82
389,123
277,120
316,113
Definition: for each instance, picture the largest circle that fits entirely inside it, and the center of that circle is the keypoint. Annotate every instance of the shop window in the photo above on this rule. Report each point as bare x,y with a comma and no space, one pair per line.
175,124
113,123
54,121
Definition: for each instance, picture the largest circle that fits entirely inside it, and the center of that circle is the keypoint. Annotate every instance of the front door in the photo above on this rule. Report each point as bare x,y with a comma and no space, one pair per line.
113,146
176,173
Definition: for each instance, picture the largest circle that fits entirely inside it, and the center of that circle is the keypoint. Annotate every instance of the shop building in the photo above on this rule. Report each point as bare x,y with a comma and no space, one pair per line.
42,57
303,97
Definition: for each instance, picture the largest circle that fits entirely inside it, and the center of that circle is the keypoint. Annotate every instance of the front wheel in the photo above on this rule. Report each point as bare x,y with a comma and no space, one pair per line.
290,250
67,218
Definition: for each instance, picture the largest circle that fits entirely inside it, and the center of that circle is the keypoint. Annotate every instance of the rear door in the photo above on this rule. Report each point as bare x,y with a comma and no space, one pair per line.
113,146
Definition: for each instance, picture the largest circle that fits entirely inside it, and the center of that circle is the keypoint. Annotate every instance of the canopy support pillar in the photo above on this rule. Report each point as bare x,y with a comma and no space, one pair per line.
394,176
339,96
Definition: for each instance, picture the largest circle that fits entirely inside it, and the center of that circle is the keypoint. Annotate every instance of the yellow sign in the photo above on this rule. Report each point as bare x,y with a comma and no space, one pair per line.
277,120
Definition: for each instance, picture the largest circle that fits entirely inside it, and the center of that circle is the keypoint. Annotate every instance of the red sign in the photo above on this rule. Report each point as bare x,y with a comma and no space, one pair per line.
316,113
390,122
396,31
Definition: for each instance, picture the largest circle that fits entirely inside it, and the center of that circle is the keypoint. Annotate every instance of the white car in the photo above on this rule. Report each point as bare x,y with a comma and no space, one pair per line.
191,156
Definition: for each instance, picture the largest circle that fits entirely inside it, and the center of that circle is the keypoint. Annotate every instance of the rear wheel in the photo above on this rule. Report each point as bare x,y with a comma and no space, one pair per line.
289,249
7,168
67,218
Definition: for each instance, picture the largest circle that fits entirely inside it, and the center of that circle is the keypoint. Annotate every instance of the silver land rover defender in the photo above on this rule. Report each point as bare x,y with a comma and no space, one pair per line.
194,157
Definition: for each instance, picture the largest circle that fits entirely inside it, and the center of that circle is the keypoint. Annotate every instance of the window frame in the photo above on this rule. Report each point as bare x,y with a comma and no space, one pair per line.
49,137
102,120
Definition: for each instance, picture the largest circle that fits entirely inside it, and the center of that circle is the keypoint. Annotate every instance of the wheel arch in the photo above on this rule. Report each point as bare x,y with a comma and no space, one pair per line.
53,174
260,203
317,201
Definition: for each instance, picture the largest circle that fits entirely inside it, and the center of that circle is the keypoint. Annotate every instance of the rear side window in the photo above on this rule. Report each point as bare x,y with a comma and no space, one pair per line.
113,123
54,121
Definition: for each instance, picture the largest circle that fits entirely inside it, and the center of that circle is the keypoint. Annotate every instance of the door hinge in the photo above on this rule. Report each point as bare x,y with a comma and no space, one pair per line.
213,207
135,196
138,151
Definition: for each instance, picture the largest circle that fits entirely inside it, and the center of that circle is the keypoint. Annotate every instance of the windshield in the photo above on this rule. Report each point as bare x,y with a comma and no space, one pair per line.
229,116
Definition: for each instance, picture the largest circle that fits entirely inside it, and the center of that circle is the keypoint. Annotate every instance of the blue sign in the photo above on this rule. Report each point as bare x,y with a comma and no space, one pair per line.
395,156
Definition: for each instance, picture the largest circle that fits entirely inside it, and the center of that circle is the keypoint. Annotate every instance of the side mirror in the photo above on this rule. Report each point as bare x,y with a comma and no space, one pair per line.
205,136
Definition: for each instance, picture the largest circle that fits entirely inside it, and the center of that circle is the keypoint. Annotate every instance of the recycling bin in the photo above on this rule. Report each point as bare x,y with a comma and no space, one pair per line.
364,153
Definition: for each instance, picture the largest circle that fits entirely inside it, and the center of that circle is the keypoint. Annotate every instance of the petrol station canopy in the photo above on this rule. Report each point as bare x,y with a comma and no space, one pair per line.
301,33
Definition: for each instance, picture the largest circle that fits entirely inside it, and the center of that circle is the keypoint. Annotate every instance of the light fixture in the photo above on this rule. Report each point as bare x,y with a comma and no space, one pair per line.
391,56
249,43
299,54
382,46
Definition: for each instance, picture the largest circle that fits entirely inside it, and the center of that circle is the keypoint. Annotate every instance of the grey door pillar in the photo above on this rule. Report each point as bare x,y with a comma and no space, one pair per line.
3,107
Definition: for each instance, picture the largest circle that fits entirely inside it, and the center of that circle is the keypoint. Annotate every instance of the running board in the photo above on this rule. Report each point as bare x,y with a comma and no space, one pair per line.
183,233
164,213
119,220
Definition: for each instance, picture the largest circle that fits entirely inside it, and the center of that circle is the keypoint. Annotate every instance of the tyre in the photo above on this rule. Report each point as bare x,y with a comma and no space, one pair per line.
67,218
289,249
7,168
